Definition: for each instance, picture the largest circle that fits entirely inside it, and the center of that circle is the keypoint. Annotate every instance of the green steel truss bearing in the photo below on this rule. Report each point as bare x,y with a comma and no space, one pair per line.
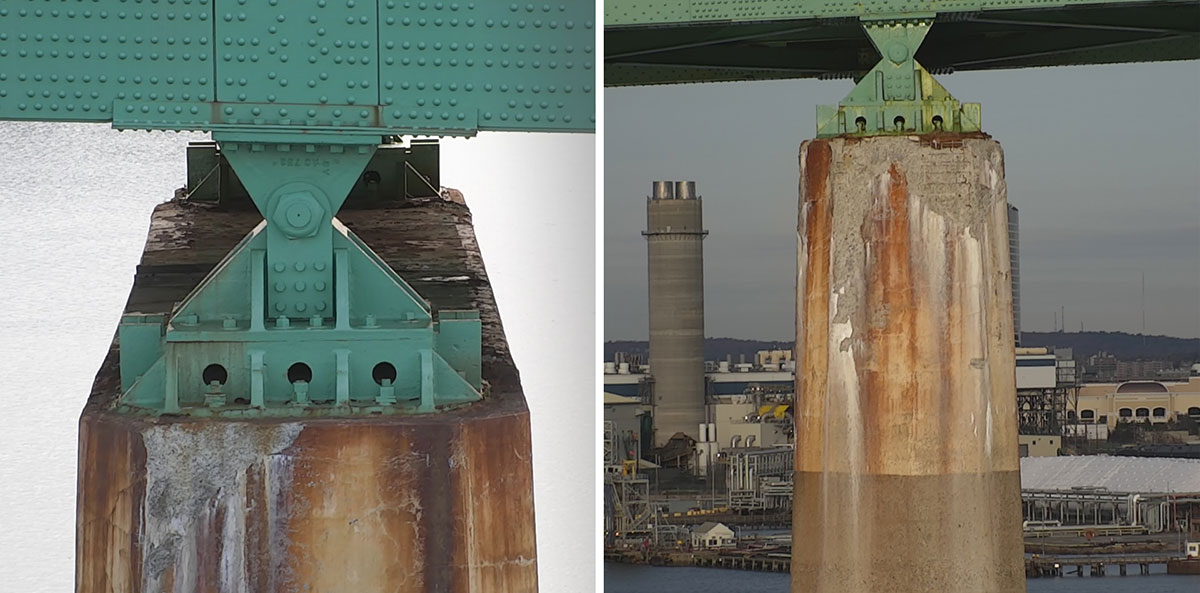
897,96
301,314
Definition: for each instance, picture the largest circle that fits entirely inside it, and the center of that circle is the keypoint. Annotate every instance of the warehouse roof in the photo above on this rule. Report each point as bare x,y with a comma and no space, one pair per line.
1116,474
612,398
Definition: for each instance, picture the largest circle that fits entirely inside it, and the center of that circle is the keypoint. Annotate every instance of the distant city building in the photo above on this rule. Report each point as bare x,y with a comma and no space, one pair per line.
713,535
1135,401
774,360
1039,445
1139,369
1103,367
1067,373
1100,367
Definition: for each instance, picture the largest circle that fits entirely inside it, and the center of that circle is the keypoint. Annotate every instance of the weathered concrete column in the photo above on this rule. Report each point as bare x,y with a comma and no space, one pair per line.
906,443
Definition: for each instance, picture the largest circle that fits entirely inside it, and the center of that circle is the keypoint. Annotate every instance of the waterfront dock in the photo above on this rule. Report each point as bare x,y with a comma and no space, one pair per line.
1037,566
1105,565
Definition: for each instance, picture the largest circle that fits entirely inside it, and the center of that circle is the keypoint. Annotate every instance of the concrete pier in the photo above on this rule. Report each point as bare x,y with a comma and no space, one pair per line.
906,442
322,501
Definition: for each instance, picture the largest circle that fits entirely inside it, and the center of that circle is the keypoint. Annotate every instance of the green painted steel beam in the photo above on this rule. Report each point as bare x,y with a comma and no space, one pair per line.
630,13
355,67
827,40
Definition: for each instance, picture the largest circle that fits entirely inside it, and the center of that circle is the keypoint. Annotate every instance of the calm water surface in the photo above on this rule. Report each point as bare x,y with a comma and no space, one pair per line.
67,256
627,578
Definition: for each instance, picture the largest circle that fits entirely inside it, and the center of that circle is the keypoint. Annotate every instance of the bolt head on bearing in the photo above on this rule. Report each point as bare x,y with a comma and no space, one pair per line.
298,214
897,52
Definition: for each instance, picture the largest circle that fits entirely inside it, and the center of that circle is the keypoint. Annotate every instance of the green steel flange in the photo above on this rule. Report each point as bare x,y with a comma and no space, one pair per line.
897,96
301,314
286,69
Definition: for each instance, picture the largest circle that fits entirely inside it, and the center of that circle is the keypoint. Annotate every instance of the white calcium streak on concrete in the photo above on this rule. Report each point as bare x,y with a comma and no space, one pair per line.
279,475
931,230
928,230
975,321
190,473
233,558
843,379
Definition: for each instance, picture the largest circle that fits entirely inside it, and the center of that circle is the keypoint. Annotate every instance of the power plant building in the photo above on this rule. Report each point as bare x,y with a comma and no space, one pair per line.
674,237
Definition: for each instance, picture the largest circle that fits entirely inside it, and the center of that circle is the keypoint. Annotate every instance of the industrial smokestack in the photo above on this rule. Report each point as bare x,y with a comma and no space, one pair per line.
674,232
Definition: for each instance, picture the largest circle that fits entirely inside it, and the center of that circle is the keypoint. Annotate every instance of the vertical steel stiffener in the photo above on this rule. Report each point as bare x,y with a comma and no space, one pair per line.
674,241
298,98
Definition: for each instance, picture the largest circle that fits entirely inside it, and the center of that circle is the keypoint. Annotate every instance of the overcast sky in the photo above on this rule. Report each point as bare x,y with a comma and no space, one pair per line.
1102,161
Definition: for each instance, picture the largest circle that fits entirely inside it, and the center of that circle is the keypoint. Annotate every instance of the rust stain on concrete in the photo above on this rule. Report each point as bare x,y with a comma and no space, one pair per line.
110,485
812,314
356,509
490,549
888,359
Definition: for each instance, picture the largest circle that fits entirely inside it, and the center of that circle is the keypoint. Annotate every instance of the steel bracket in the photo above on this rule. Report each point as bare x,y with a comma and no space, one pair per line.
301,317
898,96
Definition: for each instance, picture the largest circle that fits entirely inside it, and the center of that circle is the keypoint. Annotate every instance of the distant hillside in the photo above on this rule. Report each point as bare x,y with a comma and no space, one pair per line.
1122,345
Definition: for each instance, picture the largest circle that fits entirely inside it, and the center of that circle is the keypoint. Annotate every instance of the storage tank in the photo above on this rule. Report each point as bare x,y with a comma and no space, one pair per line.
674,235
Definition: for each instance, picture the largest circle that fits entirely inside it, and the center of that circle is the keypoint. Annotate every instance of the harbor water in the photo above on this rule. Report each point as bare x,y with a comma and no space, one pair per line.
631,578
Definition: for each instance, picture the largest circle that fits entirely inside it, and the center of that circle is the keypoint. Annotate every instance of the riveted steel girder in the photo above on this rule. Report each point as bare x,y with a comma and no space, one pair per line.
662,42
373,67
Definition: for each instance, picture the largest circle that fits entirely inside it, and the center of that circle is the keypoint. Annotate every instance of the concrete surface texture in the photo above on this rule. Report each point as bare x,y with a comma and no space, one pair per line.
906,446
436,502
674,236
